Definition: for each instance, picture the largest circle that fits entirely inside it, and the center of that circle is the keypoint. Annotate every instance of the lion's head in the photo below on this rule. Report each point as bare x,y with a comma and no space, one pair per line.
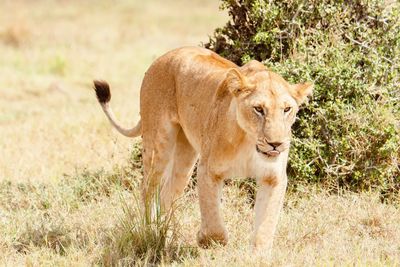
266,105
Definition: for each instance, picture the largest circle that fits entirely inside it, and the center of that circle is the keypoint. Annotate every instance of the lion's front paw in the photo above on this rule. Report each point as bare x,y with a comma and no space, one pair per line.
262,243
207,240
262,247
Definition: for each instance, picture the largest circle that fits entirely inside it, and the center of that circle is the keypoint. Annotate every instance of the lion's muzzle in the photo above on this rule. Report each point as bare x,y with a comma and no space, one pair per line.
269,153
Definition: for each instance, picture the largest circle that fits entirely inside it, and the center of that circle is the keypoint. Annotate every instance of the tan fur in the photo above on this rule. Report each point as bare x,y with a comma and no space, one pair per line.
196,104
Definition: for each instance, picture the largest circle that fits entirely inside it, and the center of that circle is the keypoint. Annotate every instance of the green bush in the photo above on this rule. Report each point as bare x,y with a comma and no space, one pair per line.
348,134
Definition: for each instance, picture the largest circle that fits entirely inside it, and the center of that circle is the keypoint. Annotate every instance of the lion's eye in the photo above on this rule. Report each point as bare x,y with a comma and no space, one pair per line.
259,110
287,109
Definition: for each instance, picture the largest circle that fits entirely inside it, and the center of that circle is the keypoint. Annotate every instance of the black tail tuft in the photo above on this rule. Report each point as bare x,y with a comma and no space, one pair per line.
102,91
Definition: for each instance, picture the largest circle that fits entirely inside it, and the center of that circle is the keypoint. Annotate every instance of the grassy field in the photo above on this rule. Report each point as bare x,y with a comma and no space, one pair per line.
66,177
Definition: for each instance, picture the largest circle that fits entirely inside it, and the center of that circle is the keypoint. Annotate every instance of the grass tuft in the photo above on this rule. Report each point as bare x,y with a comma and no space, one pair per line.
145,235
44,232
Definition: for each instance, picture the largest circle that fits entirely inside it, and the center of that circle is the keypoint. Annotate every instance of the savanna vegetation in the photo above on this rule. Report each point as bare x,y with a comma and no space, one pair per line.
348,136
69,184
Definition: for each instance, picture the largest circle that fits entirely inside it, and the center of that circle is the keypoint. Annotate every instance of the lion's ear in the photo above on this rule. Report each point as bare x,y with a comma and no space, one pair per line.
237,83
301,91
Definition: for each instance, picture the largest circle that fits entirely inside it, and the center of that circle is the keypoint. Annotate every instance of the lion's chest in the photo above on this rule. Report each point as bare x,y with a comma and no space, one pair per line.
250,163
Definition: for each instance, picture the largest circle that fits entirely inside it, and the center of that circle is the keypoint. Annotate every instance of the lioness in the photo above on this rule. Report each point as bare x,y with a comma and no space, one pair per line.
237,121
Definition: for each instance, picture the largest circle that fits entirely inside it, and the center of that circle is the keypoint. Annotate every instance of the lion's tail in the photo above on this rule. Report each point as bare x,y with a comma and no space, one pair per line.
103,95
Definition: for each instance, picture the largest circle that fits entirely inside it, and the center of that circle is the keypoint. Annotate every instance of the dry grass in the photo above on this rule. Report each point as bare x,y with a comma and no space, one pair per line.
317,229
52,50
91,218
51,124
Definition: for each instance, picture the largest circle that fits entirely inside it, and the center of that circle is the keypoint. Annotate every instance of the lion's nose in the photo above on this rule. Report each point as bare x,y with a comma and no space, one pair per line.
275,144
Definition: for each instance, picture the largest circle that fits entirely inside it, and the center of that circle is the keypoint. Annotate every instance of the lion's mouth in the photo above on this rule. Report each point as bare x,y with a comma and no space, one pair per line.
271,153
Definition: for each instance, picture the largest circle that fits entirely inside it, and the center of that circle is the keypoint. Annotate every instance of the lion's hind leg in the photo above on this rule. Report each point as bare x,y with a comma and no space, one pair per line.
158,150
184,159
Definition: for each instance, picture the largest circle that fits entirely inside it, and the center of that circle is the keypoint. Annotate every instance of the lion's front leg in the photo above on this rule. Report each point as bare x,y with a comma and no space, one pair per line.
212,226
268,205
